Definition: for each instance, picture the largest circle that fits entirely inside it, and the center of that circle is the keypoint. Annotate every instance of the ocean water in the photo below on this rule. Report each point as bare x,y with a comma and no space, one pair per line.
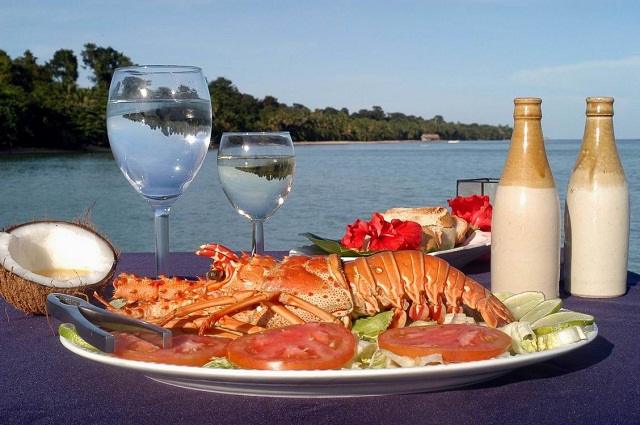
333,185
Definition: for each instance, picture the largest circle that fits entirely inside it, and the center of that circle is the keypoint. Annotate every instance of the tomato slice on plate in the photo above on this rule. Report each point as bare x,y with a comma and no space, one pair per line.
186,350
310,346
455,342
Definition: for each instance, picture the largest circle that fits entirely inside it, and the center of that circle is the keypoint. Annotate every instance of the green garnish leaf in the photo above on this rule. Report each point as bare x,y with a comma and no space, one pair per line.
368,328
118,303
220,363
332,246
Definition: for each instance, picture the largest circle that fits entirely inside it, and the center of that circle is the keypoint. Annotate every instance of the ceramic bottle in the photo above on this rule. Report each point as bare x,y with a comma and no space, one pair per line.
525,229
596,221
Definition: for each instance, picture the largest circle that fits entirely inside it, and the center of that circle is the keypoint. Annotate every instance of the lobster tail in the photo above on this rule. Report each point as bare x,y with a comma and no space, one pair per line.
421,286
464,291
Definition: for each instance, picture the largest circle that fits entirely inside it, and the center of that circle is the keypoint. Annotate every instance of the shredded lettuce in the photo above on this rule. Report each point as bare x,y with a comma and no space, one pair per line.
406,361
367,357
458,318
559,338
523,339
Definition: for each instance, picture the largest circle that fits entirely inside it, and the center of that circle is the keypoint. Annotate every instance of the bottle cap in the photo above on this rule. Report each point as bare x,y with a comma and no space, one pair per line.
527,107
601,106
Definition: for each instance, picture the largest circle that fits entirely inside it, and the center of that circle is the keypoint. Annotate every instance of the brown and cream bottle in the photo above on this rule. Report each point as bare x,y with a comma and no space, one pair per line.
596,221
525,229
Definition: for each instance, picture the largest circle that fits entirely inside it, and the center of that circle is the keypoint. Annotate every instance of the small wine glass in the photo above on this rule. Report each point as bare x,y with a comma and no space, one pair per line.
256,172
159,125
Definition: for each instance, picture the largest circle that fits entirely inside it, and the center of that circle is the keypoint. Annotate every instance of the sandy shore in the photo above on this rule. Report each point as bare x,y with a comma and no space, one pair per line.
350,142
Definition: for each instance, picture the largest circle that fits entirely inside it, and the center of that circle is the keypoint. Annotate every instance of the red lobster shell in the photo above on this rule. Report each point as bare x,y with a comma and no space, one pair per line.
248,293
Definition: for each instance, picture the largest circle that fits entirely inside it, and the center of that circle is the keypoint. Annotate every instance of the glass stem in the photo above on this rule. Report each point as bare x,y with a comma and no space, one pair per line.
257,237
161,221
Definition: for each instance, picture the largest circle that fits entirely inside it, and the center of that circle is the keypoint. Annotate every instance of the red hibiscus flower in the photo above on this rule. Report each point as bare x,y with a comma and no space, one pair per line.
356,235
476,210
381,235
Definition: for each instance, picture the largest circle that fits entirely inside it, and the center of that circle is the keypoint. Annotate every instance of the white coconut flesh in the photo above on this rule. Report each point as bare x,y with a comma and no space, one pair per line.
56,254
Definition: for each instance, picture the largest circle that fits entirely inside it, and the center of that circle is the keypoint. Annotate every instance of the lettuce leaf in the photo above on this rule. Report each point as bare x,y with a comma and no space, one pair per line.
368,328
220,363
523,340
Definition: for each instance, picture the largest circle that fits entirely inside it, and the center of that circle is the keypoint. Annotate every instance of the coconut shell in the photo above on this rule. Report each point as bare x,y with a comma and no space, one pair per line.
31,297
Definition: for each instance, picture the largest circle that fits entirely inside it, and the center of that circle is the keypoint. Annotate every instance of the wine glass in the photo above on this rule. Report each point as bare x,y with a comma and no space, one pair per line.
159,126
256,173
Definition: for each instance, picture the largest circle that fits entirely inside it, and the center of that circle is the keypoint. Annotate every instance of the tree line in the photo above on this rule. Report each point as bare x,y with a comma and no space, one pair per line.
43,106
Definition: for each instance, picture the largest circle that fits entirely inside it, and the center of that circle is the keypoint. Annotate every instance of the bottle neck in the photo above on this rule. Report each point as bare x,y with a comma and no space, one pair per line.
598,158
598,133
527,164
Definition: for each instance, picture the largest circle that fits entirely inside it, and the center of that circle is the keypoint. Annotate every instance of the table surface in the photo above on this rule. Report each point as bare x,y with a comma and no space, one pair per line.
43,382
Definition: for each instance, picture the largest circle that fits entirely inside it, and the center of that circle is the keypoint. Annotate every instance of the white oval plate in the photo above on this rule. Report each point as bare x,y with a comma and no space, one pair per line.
330,383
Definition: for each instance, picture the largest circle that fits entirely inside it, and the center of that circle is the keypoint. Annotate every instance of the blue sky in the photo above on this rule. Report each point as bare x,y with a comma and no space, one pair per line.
464,60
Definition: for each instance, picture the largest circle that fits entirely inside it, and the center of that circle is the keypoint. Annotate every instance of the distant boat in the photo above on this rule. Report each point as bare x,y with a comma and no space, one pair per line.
453,141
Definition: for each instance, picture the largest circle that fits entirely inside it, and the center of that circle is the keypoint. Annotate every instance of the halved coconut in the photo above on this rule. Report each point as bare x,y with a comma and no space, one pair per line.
42,257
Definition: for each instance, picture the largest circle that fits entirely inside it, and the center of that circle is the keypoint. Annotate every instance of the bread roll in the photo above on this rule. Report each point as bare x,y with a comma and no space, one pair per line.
461,226
440,229
424,216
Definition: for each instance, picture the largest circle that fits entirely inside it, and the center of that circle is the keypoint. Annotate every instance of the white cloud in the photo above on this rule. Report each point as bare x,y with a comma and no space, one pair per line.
612,74
565,87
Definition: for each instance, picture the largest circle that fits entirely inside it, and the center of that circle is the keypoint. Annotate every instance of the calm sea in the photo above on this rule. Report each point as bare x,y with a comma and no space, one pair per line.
334,185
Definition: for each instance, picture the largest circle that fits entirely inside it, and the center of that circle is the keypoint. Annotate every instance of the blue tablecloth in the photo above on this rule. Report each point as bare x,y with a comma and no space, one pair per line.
42,382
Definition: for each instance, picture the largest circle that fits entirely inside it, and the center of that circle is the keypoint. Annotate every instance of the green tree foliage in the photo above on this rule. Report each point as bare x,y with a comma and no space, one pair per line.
42,106
103,62
63,68
232,110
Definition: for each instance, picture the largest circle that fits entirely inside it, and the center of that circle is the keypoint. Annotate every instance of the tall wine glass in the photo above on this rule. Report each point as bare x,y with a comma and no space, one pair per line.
256,173
159,126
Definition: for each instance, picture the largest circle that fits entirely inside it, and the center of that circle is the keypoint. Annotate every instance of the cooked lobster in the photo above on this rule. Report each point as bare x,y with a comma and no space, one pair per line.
249,293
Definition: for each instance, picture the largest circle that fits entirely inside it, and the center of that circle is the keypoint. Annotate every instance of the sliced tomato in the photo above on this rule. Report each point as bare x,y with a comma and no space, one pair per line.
455,342
310,346
186,350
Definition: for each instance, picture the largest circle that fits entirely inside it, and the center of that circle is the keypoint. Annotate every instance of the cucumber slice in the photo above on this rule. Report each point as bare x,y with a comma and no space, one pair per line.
541,310
560,320
68,331
503,295
520,304
525,308
523,298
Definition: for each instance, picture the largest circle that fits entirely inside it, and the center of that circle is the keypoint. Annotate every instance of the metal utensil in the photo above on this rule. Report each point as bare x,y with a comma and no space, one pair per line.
89,319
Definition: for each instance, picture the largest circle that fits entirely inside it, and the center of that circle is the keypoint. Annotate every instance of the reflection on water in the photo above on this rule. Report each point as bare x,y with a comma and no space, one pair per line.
278,170
169,120
172,121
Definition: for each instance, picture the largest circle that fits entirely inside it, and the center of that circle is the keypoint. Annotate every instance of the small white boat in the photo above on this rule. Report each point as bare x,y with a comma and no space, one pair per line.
453,141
